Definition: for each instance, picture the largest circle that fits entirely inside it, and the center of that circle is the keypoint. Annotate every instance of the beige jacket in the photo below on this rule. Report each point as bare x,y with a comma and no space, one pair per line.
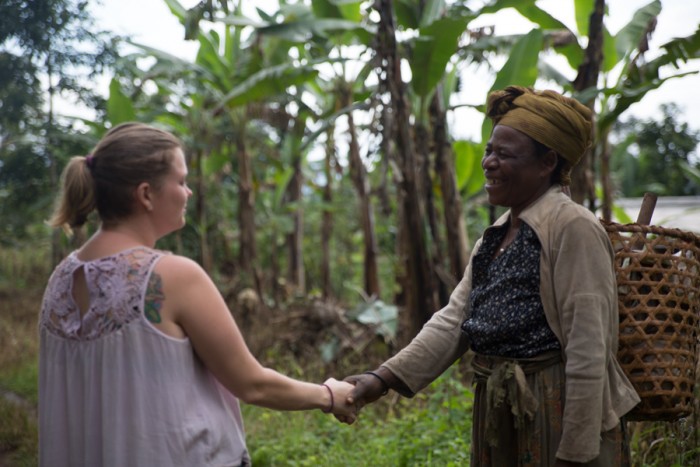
579,296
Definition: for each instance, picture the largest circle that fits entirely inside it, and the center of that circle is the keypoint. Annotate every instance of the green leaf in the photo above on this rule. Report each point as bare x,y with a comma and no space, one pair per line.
550,73
574,54
350,9
450,86
208,57
266,83
303,29
433,49
382,316
610,57
520,69
540,17
628,38
242,21
521,66
582,11
177,9
620,214
171,60
628,96
470,177
432,10
325,9
214,162
340,9
119,107
407,14
677,50
692,172
497,5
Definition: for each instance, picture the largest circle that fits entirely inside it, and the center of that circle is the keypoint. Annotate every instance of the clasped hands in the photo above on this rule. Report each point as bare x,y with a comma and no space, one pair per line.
353,393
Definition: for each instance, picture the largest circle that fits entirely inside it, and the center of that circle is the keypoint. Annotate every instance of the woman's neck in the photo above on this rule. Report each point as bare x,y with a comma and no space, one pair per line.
126,234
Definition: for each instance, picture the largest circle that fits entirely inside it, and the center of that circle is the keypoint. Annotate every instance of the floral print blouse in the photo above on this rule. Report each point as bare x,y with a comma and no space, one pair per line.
507,318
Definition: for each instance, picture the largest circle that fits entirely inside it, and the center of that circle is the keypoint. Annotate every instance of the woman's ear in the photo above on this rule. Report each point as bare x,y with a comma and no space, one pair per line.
549,162
143,195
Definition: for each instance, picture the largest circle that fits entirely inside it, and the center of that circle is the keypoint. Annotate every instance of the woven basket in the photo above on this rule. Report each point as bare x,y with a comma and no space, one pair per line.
658,277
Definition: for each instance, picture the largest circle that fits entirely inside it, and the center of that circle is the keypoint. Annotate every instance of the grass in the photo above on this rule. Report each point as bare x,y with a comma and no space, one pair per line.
432,429
23,274
18,436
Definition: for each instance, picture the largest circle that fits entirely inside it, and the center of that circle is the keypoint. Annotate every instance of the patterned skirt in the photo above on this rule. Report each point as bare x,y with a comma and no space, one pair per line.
501,439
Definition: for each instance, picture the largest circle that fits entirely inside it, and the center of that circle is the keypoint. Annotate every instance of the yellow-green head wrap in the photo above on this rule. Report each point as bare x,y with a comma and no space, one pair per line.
560,123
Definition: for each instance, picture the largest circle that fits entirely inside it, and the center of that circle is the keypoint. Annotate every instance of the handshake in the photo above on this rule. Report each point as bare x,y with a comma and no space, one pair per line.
354,392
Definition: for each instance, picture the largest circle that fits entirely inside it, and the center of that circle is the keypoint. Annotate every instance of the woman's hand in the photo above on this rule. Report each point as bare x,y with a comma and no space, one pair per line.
367,389
340,390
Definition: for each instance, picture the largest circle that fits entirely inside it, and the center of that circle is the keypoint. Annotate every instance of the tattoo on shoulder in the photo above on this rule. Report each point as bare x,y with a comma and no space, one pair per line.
154,298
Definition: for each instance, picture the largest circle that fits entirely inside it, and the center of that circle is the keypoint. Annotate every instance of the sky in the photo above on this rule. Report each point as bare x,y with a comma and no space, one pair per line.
150,22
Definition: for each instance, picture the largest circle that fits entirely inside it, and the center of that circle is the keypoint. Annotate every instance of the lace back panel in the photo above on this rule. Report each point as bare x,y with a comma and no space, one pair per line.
116,286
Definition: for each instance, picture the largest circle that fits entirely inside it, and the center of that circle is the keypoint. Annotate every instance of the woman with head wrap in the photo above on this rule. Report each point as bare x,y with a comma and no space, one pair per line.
537,305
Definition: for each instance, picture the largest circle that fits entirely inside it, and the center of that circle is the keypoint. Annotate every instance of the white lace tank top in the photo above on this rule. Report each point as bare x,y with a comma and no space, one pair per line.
116,391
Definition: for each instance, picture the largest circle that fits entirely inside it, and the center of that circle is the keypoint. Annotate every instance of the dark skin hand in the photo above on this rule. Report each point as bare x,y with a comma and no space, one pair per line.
369,388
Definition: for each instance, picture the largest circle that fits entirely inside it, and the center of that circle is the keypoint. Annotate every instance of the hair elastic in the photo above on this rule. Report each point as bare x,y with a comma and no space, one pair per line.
89,160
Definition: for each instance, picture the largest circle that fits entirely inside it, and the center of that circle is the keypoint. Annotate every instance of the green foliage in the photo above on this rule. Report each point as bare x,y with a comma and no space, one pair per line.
520,68
54,41
470,177
434,428
119,106
639,77
628,38
656,156
22,380
18,436
433,48
661,444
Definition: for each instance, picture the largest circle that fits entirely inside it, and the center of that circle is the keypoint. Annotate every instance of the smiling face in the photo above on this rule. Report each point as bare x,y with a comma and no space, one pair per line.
170,198
515,174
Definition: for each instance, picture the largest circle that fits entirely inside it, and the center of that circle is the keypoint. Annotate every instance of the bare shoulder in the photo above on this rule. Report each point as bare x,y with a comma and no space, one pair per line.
179,268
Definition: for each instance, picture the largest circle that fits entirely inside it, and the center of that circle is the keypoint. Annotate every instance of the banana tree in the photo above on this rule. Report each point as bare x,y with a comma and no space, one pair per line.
624,77
439,31
248,81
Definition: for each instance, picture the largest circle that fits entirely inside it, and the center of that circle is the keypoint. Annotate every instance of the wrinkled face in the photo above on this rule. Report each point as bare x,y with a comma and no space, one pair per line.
515,174
170,199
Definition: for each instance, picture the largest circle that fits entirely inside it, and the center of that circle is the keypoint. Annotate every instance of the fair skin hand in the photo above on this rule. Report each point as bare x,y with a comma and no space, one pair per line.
183,302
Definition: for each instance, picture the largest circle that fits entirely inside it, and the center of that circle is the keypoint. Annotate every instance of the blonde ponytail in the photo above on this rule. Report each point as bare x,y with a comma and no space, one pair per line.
77,196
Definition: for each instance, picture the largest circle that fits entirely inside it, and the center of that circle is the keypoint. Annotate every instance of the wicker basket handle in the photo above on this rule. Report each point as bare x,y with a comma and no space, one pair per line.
644,217
647,209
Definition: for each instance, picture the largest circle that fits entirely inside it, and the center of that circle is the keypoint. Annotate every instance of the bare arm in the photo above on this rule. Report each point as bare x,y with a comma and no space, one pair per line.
192,301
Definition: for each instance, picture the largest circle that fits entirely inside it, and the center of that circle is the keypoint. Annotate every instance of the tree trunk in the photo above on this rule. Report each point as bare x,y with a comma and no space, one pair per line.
246,210
419,285
201,214
57,253
435,245
295,239
583,174
359,178
327,220
455,226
